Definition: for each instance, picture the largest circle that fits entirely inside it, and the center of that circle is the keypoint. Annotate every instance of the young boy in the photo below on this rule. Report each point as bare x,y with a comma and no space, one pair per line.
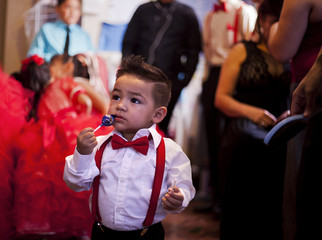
63,36
131,186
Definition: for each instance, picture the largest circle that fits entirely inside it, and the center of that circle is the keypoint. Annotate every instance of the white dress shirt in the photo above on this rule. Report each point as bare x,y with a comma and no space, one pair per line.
126,179
218,38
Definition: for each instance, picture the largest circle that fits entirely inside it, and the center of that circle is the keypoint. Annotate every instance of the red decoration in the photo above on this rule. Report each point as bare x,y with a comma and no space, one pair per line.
222,7
34,58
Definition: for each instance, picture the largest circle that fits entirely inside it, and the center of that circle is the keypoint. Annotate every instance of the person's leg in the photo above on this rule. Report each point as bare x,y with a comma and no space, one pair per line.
308,201
212,120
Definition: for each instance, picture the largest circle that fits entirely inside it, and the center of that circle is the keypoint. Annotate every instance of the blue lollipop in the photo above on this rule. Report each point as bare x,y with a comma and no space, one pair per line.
107,120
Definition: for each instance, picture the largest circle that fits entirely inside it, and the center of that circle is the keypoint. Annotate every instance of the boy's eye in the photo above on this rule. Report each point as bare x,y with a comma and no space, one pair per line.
115,97
135,100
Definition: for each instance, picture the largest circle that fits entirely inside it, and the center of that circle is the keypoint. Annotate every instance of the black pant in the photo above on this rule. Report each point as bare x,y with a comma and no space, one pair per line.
213,120
308,202
154,232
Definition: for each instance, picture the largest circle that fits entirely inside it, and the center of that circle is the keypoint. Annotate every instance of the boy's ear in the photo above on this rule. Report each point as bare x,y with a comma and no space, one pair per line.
159,114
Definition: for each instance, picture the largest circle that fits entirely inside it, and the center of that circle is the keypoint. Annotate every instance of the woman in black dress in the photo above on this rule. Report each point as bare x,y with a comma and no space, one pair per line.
252,92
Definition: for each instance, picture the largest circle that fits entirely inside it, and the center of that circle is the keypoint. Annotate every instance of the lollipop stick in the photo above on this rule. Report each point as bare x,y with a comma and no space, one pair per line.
107,120
174,184
97,128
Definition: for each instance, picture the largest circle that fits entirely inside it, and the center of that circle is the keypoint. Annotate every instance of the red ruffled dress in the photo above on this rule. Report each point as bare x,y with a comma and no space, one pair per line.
14,107
43,204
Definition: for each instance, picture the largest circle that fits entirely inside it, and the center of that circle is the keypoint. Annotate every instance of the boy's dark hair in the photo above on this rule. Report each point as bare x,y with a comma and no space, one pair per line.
135,65
60,2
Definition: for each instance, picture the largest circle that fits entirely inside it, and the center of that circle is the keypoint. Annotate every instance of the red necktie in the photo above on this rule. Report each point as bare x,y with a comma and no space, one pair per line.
221,6
141,144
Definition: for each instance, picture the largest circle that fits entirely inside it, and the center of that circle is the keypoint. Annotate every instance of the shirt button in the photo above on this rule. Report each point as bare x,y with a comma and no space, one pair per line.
119,209
129,155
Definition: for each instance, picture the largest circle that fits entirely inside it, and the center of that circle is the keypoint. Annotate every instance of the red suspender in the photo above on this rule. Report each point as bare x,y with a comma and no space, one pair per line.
236,25
98,159
157,182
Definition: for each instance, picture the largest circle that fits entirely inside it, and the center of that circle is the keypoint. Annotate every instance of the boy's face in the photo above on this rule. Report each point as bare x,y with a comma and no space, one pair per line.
133,105
70,11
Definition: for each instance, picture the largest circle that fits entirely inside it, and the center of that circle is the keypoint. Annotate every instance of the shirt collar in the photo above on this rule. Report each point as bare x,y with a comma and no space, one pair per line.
62,24
156,137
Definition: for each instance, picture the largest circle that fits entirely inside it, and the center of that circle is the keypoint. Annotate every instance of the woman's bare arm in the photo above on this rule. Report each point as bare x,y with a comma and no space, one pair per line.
287,34
224,100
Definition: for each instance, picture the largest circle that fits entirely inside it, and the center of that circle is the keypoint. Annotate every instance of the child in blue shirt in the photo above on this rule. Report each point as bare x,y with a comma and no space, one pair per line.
51,38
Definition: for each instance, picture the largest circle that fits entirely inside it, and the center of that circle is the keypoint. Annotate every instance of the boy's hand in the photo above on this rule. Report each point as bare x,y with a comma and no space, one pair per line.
86,141
172,199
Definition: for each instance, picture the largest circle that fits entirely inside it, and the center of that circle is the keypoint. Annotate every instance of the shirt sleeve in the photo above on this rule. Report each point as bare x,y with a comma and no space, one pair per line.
38,45
80,171
192,46
180,172
248,20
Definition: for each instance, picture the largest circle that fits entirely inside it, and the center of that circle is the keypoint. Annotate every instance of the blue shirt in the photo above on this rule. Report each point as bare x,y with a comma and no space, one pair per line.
51,38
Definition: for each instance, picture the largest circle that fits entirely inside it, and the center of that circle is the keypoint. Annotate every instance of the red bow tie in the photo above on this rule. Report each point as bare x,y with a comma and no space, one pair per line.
141,144
221,6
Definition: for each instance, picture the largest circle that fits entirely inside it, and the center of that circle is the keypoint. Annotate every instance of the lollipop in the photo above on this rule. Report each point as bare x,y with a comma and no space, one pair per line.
107,120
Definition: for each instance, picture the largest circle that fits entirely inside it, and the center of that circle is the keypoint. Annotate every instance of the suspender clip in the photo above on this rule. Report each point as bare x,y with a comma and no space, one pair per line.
100,226
144,230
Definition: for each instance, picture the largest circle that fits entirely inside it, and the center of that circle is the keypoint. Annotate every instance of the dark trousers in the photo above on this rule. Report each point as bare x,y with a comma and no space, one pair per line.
252,201
308,202
213,120
154,232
